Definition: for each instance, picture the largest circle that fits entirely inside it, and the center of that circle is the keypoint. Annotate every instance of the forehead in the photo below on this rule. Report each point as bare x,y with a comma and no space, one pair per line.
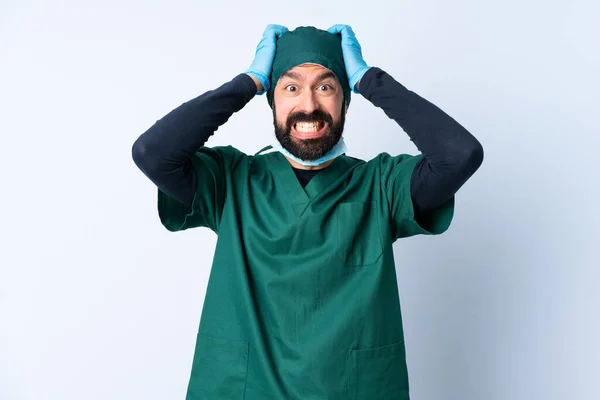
307,71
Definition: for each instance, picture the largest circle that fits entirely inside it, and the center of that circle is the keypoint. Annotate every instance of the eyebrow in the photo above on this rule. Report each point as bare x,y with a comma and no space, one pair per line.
296,76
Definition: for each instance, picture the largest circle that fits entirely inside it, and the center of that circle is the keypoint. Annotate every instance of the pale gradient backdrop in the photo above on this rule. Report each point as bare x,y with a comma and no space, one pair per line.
99,301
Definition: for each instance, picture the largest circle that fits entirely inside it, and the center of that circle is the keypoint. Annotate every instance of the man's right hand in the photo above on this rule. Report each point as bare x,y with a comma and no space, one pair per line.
260,69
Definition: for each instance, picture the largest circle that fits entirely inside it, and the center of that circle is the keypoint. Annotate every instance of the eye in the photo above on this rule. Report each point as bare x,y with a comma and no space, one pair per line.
291,88
325,87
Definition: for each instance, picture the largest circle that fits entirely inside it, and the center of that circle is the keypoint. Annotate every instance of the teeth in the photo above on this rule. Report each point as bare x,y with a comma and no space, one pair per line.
307,126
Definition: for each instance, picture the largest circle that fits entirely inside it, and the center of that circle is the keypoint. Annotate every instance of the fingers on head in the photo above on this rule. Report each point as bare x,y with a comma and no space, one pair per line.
274,30
345,30
337,28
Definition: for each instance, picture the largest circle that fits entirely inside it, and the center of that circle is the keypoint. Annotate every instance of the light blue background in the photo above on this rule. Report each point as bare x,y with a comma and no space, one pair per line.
99,301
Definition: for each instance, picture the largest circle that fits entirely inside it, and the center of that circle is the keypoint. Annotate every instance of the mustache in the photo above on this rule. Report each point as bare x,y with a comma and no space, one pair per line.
315,116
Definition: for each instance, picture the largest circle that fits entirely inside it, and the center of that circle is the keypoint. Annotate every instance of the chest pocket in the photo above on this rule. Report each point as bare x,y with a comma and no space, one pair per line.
358,233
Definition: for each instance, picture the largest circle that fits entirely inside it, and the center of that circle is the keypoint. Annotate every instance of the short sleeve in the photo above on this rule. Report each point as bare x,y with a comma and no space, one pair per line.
210,166
396,178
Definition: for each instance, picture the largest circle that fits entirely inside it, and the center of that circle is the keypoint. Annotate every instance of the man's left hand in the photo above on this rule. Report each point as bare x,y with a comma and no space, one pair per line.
356,67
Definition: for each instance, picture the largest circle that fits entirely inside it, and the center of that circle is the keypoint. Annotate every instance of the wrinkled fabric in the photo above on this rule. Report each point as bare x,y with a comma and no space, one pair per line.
302,300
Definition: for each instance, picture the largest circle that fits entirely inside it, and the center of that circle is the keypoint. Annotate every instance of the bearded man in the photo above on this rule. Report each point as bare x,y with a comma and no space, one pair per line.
302,300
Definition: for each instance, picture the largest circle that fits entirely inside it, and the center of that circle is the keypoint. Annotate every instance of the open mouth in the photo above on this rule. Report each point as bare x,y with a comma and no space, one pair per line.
306,130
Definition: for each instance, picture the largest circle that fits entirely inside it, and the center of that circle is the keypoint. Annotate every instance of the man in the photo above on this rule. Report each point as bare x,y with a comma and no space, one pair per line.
302,300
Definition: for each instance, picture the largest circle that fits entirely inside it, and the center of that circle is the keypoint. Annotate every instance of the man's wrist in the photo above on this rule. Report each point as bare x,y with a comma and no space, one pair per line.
259,86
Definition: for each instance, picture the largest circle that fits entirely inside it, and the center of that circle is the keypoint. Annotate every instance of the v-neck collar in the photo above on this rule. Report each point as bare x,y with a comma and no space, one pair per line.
299,196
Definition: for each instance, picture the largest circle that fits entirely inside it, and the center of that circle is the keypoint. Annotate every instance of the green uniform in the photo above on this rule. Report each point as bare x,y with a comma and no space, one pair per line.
302,300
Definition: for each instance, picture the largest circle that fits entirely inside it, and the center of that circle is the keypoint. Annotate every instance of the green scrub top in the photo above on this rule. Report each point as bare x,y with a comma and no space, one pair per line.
302,299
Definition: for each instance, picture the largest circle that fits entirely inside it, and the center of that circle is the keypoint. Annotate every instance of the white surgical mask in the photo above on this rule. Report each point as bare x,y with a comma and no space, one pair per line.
337,150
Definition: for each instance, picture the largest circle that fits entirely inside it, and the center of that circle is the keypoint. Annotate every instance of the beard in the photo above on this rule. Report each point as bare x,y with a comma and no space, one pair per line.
309,149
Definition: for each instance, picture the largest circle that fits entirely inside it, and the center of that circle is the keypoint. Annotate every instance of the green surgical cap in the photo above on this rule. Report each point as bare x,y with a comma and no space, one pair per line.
307,44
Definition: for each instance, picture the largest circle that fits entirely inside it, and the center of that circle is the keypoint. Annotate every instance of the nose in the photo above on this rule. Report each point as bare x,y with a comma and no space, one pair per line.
308,102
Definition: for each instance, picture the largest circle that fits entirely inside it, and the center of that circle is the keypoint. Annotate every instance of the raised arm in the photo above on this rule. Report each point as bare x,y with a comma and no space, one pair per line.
450,153
164,152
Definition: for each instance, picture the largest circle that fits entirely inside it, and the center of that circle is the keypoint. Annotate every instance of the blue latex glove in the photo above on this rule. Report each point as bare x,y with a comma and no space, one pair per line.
353,59
263,58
